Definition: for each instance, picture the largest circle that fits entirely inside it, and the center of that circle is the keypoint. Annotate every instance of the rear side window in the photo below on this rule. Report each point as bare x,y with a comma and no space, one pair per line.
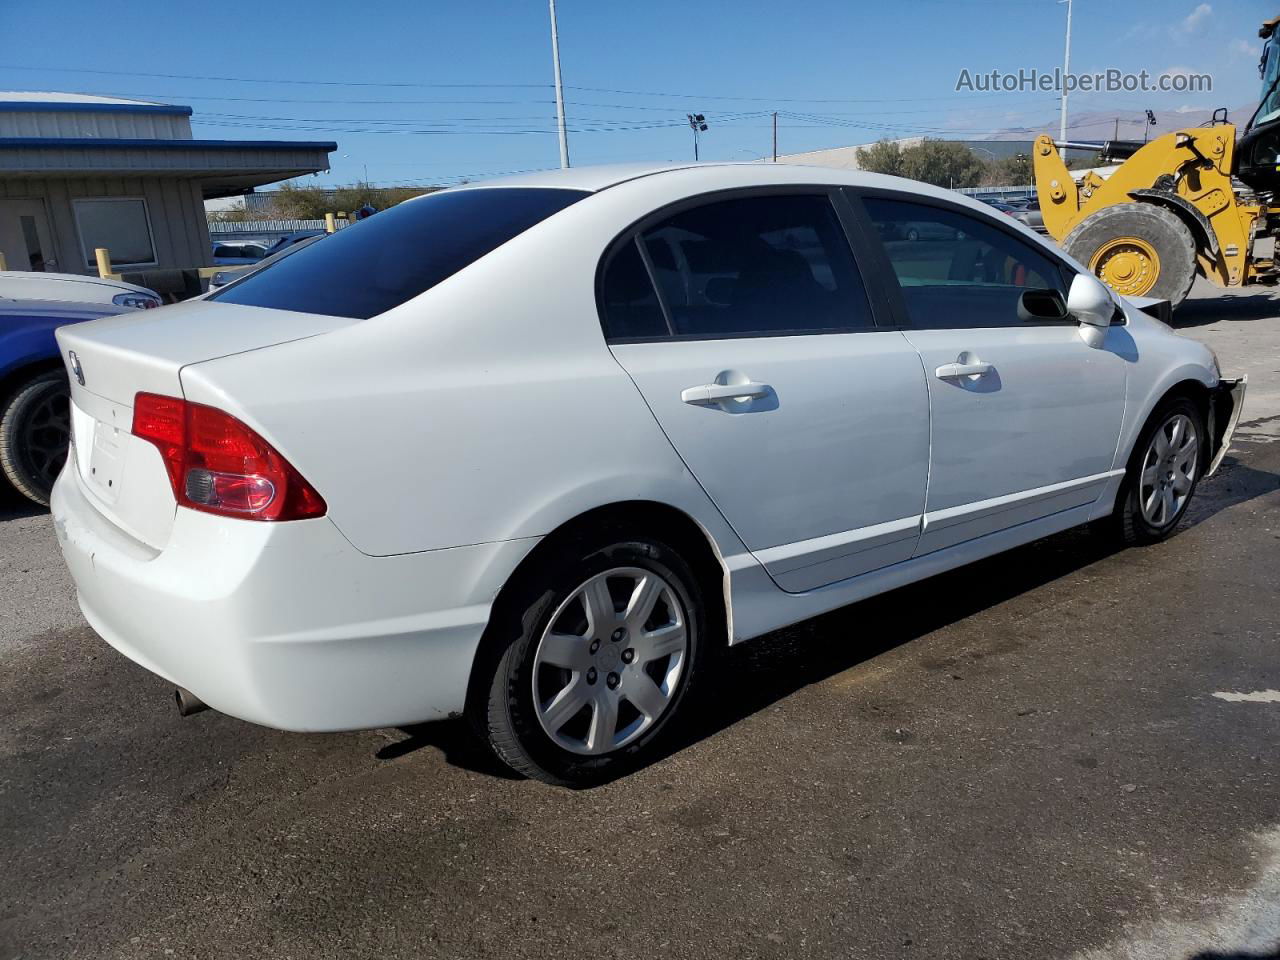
757,266
955,270
382,261
631,308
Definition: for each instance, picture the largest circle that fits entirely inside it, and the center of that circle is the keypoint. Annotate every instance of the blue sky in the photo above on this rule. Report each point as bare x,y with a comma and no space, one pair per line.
429,92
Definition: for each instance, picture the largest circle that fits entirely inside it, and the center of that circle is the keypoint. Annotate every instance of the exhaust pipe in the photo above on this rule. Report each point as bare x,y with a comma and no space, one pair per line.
188,703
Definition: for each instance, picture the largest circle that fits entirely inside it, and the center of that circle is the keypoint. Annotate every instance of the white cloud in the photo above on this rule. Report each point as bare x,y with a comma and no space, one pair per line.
1243,48
1196,18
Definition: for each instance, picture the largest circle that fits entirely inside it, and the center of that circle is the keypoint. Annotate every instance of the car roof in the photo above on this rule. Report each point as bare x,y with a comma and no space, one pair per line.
591,178
733,174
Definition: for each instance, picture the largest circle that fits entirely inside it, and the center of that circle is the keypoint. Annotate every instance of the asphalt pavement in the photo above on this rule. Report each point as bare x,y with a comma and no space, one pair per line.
1060,752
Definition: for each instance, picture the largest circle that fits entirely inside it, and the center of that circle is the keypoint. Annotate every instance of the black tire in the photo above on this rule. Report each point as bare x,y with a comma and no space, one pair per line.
913,234
1128,524
1168,236
35,429
503,709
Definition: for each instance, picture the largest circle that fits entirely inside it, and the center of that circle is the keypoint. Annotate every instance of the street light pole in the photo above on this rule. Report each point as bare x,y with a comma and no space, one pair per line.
555,57
1066,69
698,124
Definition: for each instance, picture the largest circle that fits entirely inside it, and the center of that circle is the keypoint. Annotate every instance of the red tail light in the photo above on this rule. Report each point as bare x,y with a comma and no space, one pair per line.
219,465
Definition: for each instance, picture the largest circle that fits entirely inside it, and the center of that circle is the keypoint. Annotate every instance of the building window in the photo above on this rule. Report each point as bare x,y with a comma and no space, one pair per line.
119,224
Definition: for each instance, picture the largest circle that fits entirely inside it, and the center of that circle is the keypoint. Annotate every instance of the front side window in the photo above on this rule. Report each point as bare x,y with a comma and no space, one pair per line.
757,266
121,225
954,269
380,262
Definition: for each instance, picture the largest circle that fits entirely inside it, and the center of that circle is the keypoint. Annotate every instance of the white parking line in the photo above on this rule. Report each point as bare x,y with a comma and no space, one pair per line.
1258,696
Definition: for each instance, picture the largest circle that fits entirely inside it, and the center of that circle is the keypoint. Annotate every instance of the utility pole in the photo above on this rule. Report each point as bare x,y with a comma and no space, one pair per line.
697,123
1066,69
1117,134
775,136
555,57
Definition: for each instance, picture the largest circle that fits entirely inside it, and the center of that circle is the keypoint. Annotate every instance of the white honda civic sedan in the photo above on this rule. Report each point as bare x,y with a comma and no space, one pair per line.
530,451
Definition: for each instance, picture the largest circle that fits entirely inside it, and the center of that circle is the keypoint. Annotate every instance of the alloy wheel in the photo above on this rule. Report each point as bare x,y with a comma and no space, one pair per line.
45,435
610,660
1169,470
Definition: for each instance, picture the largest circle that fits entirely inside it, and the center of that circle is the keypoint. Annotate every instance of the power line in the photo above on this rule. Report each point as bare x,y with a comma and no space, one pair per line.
478,86
287,81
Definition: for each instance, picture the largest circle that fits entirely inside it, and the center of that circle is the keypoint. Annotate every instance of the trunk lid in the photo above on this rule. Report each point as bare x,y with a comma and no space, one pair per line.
112,360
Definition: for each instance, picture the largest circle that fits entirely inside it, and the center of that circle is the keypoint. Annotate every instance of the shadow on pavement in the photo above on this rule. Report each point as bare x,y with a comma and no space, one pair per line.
1235,482
757,674
1216,955
1200,313
14,506
453,738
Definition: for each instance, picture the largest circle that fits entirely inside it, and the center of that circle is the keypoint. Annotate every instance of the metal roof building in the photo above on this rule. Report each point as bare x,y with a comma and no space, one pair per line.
79,171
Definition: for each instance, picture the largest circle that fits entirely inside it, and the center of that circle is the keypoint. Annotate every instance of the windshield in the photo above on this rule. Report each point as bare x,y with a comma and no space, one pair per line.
1269,109
379,263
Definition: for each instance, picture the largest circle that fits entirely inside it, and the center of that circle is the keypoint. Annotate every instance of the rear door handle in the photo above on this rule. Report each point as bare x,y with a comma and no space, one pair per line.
950,371
715,392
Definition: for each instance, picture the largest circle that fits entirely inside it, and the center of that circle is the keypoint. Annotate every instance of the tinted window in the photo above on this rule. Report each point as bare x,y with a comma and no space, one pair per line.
955,270
381,262
757,265
630,303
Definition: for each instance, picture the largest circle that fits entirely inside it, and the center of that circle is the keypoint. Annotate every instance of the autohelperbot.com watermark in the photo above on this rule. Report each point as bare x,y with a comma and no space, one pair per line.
1103,81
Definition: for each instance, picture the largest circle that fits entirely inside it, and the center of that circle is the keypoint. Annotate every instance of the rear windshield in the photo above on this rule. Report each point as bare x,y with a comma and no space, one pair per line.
379,263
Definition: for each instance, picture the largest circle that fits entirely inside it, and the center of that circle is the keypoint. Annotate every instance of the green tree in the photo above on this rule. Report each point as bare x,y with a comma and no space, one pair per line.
884,156
1013,171
292,202
1083,163
313,202
233,214
943,164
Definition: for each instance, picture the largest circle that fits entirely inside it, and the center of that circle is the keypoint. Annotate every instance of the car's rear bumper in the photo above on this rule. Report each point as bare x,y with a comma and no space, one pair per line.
286,624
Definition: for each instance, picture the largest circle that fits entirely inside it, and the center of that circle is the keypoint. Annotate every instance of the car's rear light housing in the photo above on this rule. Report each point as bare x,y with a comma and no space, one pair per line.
217,464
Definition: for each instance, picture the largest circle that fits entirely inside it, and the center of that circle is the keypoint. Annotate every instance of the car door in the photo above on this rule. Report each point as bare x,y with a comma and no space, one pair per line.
745,324
1026,414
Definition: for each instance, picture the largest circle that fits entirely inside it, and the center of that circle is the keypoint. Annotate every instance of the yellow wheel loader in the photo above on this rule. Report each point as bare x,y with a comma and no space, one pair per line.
1199,200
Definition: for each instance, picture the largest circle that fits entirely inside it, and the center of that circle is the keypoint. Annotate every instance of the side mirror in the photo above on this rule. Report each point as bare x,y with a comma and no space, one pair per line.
1089,301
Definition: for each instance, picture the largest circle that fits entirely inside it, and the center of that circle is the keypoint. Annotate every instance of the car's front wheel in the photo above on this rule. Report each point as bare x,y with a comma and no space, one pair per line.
1163,473
591,659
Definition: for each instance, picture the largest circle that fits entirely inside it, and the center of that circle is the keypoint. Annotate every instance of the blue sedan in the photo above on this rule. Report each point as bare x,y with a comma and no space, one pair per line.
34,410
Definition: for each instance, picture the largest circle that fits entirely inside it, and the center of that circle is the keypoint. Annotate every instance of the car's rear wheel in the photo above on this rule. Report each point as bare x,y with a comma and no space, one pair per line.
35,429
1163,473
591,660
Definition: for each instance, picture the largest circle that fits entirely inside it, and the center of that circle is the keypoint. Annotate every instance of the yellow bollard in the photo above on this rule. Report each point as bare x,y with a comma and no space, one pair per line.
330,225
3,264
104,262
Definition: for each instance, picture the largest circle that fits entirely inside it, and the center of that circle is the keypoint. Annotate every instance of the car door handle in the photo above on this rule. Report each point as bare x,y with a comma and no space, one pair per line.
949,371
715,392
